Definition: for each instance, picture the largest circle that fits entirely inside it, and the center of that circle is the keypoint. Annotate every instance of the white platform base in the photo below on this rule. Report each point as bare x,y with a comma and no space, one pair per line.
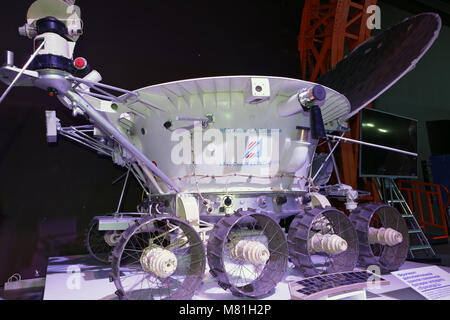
82,278
352,295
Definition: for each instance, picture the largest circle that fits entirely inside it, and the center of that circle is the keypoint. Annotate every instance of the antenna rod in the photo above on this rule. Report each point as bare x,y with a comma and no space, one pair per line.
373,145
21,72
113,132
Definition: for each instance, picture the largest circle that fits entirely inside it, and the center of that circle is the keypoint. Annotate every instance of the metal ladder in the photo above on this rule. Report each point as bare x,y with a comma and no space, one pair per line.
391,194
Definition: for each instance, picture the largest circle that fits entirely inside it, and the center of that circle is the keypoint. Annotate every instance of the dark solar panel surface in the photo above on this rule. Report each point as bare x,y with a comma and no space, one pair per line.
321,283
381,61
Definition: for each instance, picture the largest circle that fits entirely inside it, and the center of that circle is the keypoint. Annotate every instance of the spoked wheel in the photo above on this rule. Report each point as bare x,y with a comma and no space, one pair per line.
322,241
100,244
383,236
247,253
158,258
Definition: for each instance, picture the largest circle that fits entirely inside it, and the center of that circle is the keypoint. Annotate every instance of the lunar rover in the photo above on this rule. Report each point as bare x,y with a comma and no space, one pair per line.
228,165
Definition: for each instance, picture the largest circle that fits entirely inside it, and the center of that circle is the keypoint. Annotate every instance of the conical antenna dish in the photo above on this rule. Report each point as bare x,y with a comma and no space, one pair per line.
52,8
65,11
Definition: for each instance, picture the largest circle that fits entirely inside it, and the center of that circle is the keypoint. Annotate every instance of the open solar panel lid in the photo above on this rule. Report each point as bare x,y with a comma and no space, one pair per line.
377,64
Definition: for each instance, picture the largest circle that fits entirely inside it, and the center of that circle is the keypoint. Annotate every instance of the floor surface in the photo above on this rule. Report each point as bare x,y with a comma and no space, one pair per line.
81,278
95,285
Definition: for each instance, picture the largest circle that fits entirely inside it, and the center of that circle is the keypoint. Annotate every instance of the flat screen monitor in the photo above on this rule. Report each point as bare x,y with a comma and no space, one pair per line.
391,131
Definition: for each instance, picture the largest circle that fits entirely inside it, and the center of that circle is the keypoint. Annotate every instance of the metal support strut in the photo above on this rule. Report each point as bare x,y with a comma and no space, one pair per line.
105,125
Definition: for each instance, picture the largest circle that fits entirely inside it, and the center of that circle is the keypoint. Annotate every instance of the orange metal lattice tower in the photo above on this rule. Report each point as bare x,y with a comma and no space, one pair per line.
329,30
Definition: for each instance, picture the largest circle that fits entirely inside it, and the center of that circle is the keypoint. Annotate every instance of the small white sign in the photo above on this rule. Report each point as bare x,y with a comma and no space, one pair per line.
431,282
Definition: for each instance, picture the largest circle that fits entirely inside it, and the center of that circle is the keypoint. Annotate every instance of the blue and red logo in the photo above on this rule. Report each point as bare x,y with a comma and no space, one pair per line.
253,148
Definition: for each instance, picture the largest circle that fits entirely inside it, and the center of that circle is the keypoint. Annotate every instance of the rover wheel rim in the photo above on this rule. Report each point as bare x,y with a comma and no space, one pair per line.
96,244
247,253
136,280
312,263
379,215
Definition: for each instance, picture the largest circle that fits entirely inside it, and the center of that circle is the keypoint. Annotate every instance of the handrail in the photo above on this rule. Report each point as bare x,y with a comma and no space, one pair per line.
448,195
413,188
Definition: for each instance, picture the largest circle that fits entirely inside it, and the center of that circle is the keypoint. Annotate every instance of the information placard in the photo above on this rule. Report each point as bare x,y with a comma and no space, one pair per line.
431,282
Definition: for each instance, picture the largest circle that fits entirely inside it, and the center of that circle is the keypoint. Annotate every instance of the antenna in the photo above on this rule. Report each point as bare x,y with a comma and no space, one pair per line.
62,10
21,72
